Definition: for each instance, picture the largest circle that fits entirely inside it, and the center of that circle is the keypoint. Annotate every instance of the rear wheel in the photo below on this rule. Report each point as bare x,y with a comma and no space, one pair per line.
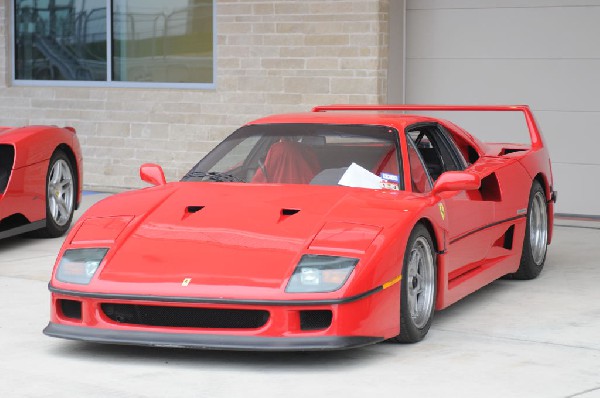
535,243
60,196
418,286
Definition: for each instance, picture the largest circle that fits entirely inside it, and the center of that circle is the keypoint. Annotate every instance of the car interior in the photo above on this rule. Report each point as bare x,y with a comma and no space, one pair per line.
300,154
436,149
322,163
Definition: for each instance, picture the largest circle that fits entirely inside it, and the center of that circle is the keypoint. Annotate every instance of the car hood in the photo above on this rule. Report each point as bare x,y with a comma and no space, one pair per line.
228,239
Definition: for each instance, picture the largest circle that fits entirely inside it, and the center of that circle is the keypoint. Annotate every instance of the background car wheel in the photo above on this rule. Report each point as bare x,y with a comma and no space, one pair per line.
418,286
535,243
60,196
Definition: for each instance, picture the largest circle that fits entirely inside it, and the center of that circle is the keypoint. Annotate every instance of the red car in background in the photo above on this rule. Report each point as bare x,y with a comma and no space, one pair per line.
40,179
332,229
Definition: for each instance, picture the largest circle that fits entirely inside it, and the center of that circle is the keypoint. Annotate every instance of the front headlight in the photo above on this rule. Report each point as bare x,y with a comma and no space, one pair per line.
79,265
317,273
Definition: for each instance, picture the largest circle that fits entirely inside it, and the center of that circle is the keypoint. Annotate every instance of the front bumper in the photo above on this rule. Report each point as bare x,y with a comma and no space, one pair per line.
207,341
225,324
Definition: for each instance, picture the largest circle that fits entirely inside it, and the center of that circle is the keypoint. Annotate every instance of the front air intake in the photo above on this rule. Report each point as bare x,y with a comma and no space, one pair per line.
69,308
315,319
185,317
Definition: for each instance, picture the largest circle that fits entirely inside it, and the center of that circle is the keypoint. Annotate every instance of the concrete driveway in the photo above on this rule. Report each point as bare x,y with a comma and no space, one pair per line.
538,338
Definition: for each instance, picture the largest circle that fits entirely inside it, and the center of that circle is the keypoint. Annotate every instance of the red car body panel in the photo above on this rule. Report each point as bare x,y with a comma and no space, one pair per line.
25,192
221,245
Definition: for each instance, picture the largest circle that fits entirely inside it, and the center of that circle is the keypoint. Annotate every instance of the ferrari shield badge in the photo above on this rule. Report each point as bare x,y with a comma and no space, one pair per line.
442,211
186,281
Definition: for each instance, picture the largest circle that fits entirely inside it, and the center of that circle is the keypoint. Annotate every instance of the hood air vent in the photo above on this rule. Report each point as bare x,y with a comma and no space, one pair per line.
193,209
285,213
289,212
189,210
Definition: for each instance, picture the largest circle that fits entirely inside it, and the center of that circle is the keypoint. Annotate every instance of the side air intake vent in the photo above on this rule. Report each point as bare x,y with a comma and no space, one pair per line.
506,240
490,189
507,151
7,158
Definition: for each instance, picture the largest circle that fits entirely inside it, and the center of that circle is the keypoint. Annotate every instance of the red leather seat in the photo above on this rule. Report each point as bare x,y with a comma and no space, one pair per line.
288,162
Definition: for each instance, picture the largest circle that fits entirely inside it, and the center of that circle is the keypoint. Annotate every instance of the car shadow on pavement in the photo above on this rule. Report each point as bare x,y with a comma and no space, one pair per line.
219,358
14,242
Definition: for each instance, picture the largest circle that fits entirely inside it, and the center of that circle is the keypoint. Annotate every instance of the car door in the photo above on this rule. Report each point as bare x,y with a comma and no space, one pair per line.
467,216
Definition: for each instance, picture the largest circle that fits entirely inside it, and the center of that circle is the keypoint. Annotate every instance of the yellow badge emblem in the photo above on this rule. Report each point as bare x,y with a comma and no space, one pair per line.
186,281
442,211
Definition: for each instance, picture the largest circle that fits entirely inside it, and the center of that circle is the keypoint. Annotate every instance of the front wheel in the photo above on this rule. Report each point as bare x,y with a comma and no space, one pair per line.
418,286
60,196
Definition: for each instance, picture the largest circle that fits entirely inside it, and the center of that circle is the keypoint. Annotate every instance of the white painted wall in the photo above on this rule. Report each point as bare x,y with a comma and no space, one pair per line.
542,53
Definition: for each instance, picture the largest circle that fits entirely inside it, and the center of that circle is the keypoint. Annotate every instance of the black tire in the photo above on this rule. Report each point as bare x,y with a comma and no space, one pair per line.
57,223
414,328
535,242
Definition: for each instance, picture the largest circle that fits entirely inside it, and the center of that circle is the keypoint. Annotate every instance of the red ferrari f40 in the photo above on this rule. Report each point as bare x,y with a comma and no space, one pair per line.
336,228
40,179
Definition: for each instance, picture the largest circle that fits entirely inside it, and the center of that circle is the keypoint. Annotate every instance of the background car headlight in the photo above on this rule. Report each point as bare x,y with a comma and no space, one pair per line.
317,273
79,265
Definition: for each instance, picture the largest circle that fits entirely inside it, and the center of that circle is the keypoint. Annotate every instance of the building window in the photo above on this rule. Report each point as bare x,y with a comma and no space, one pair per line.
114,42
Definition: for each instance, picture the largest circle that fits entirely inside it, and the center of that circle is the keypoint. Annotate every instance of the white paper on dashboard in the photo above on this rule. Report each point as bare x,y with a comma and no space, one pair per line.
359,177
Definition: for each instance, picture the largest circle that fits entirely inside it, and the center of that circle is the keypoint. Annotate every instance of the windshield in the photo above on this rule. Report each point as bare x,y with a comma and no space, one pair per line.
319,154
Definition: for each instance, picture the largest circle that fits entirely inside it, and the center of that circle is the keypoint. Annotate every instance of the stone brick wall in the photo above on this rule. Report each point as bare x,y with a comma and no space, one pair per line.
272,57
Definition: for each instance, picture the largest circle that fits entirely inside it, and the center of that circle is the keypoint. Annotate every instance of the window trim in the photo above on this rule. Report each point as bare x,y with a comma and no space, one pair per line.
409,142
109,83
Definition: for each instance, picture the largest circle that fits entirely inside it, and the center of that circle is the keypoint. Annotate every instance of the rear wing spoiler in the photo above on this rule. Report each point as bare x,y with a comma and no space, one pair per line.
534,132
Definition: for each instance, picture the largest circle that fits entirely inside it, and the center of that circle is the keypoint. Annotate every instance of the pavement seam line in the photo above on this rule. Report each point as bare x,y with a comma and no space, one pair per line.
575,226
579,394
519,340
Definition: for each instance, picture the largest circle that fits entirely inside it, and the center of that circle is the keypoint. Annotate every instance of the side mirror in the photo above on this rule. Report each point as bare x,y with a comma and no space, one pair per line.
152,174
456,181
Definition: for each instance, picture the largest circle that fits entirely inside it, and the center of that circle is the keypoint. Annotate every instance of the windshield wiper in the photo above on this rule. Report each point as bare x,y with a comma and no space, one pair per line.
211,176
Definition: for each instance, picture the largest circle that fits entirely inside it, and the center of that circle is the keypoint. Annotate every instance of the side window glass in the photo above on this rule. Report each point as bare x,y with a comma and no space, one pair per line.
439,152
453,159
419,179
463,150
434,164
